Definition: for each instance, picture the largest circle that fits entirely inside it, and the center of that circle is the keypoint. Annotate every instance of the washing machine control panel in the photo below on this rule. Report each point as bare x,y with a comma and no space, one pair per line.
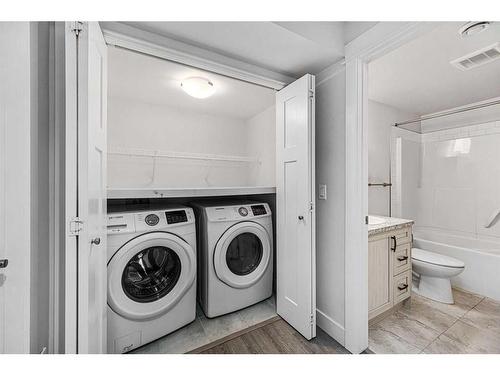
120,223
148,220
238,212
174,217
258,210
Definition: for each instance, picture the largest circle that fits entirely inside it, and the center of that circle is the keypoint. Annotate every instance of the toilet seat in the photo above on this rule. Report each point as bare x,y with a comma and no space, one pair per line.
436,259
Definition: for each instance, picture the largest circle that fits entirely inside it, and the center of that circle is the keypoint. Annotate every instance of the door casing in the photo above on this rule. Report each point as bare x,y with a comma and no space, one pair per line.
71,139
378,41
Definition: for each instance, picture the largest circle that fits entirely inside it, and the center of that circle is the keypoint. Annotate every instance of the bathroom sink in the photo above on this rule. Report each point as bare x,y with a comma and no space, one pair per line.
374,220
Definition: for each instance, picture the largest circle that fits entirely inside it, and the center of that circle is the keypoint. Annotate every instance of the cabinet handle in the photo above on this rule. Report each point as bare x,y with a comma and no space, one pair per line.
403,287
401,258
395,243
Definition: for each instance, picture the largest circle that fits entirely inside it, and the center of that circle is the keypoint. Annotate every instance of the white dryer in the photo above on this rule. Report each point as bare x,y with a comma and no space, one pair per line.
151,275
235,255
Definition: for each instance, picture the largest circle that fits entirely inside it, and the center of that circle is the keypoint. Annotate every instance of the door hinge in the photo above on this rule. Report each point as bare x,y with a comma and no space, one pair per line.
312,319
75,226
311,206
311,93
77,27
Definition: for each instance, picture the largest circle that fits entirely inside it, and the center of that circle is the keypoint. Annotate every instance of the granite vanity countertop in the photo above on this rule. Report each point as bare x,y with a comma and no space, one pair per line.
391,223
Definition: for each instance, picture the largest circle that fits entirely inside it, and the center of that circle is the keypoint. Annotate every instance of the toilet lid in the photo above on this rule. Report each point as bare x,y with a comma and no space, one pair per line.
435,258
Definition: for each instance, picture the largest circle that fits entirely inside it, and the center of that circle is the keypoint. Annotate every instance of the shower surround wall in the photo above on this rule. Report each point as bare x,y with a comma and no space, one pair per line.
449,180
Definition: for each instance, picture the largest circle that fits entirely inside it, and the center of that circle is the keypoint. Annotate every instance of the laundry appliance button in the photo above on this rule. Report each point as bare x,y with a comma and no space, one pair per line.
152,219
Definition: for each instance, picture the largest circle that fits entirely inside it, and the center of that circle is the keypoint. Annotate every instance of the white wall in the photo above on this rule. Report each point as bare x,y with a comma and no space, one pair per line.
261,142
450,178
405,172
24,185
381,117
461,179
137,125
330,213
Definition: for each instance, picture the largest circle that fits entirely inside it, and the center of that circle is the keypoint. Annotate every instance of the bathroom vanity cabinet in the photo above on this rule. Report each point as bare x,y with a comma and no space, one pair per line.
389,265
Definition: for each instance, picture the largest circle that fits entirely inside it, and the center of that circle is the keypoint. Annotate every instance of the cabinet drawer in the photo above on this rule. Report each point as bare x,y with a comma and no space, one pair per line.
400,237
402,286
402,258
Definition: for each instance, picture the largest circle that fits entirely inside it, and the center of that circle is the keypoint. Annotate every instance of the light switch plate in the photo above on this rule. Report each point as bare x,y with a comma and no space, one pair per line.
322,192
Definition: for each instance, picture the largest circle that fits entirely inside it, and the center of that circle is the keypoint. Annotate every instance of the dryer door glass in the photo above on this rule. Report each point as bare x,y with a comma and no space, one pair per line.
151,274
244,254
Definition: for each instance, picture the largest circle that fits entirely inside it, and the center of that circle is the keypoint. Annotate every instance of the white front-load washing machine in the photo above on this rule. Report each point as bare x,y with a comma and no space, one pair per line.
235,255
151,275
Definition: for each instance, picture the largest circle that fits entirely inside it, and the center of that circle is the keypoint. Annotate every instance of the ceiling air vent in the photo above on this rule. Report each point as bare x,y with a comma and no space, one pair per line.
478,58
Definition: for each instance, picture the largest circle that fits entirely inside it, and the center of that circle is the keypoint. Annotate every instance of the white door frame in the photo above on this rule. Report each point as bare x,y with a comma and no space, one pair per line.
267,79
71,191
379,40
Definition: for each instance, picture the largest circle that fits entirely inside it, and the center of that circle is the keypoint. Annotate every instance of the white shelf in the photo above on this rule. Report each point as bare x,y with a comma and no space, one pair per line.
158,154
126,193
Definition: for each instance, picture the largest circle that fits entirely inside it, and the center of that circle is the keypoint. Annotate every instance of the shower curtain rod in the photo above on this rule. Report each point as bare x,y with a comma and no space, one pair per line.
452,112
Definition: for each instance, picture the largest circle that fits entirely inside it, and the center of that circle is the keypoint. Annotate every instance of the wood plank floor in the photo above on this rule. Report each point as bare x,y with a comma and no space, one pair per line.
277,337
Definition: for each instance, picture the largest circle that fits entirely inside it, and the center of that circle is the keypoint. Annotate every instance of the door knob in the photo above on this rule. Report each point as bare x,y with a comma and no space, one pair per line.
301,217
96,241
4,263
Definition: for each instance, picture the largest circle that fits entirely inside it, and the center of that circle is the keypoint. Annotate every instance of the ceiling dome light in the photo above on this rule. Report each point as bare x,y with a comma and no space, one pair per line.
473,28
198,87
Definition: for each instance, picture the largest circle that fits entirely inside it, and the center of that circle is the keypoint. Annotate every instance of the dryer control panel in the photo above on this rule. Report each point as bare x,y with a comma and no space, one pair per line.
238,212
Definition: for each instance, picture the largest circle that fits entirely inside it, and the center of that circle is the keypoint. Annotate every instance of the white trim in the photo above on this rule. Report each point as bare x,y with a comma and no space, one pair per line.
385,37
356,207
57,162
131,193
53,202
330,326
118,35
379,40
328,73
71,159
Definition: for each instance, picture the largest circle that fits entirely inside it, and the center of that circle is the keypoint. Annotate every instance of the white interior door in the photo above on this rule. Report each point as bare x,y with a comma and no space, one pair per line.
15,180
295,237
90,257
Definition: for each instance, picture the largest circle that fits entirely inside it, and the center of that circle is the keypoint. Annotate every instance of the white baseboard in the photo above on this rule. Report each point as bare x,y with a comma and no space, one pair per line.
330,326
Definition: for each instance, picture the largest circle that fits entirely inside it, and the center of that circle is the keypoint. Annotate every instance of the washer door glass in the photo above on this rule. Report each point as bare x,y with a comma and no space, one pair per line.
244,253
151,274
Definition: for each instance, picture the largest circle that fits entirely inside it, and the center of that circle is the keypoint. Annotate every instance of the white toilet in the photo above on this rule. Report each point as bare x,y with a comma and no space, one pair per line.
434,272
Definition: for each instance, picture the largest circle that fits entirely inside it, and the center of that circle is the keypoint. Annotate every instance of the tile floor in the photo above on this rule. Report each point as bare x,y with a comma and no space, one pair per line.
204,330
471,325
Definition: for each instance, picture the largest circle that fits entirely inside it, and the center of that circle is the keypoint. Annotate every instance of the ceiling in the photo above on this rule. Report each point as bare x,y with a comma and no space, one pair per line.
290,48
156,81
419,78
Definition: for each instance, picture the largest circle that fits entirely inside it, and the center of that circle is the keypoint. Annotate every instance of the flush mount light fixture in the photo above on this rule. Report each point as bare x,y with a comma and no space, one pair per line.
198,87
473,28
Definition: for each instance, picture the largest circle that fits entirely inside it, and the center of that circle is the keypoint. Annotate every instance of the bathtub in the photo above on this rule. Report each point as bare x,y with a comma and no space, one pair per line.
481,257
